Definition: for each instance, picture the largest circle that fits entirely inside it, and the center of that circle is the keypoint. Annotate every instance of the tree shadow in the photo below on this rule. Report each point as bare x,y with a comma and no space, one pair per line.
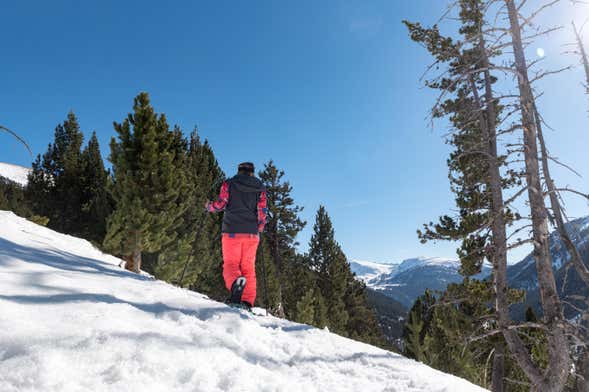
62,260
156,308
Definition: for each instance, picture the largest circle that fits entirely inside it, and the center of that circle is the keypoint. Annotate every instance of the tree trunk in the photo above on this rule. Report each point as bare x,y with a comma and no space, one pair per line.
556,373
583,54
558,216
278,262
498,368
136,257
498,257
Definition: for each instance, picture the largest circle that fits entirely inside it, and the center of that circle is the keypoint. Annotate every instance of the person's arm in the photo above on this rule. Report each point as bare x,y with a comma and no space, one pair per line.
221,202
262,211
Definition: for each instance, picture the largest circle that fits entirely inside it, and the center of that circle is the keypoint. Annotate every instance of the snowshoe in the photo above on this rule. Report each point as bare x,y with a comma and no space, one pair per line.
237,290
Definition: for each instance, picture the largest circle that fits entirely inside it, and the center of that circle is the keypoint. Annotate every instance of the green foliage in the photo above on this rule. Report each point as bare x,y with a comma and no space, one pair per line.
54,187
453,333
96,205
311,309
362,322
330,263
151,207
283,225
40,220
348,311
149,182
12,198
266,274
68,185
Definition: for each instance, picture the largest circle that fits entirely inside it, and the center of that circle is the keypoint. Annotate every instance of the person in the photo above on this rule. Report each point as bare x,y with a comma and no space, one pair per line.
243,200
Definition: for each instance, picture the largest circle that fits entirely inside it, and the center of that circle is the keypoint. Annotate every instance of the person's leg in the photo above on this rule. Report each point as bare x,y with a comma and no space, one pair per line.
231,247
248,268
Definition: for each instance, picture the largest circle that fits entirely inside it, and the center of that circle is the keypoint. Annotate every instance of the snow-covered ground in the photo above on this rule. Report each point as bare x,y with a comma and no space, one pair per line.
14,173
72,320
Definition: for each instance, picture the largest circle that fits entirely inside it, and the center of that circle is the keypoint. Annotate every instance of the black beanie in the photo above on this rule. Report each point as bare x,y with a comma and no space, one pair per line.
247,167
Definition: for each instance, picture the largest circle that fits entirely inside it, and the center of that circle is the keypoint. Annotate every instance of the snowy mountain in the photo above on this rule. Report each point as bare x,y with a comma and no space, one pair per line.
368,270
407,280
72,320
14,173
523,274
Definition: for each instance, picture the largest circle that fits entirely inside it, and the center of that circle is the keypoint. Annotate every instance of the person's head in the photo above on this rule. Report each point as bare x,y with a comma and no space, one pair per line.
246,168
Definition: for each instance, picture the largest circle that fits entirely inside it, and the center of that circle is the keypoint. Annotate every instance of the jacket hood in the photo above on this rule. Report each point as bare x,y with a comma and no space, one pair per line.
245,183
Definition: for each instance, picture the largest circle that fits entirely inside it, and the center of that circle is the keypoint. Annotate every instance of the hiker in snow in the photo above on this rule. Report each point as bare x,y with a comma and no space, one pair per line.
243,198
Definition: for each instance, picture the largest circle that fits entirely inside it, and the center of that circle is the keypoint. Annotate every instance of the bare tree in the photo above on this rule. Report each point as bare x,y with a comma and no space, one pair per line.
583,54
17,137
554,377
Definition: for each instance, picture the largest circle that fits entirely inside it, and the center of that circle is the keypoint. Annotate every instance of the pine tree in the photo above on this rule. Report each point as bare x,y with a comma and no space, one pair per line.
266,275
362,322
418,322
283,225
330,263
167,263
478,175
39,185
311,309
55,183
147,185
66,160
204,272
96,206
12,198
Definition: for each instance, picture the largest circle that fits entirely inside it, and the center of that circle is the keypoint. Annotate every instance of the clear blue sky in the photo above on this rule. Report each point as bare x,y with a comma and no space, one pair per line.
328,89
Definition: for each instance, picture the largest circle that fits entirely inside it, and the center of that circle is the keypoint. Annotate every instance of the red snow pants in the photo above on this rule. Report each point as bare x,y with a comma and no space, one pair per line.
239,259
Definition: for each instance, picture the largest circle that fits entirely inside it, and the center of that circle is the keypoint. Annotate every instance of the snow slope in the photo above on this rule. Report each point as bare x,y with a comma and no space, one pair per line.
367,270
72,320
14,173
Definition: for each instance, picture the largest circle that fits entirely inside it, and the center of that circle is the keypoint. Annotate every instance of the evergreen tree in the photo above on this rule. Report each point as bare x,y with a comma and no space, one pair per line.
148,185
38,190
167,263
205,272
416,327
266,277
283,225
330,263
96,206
478,175
311,309
68,185
362,322
12,198
66,165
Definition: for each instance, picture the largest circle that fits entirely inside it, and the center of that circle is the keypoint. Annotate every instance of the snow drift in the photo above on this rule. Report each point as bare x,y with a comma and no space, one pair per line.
72,320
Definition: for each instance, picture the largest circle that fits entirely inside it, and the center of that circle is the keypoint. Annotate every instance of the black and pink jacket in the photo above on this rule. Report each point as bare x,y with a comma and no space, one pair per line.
243,198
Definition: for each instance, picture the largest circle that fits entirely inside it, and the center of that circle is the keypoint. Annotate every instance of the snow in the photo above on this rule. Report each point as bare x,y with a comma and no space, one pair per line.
14,173
368,270
584,224
420,262
72,320
372,273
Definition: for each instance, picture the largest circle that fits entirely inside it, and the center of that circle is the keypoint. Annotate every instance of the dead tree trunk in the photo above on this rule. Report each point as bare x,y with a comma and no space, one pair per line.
583,55
498,223
557,213
554,377
498,368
